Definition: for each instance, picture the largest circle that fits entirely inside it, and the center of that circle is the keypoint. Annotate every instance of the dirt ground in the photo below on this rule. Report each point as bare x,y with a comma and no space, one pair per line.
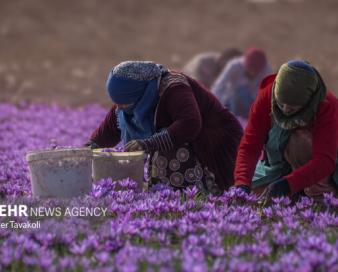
61,50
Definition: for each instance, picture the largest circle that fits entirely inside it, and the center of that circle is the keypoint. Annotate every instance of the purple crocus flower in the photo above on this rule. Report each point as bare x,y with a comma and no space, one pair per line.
156,230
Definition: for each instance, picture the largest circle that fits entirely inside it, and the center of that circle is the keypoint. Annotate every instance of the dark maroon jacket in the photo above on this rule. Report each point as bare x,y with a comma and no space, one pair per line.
191,114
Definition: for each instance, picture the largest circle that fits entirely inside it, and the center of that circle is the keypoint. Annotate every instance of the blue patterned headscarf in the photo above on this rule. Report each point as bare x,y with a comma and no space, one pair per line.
135,83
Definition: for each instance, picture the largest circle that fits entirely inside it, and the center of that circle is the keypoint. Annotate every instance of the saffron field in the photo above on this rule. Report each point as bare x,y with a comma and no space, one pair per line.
159,230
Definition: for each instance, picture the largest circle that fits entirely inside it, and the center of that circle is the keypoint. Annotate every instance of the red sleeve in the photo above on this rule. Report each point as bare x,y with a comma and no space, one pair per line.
184,112
324,149
255,135
107,134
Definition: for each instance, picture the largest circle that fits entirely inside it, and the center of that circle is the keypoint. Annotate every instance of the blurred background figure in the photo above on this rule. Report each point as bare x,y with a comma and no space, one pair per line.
237,85
206,66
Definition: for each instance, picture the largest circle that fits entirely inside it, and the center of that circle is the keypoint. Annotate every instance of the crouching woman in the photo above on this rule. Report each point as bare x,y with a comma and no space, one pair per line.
191,138
295,121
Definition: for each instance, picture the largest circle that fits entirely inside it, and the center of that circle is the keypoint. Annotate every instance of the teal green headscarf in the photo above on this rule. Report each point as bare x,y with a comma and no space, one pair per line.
297,84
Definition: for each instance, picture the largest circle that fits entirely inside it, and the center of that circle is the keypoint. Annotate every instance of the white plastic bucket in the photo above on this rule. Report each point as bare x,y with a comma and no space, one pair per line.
60,173
119,165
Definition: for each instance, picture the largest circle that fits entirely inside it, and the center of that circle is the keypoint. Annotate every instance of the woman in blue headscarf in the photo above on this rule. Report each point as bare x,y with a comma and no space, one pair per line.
191,138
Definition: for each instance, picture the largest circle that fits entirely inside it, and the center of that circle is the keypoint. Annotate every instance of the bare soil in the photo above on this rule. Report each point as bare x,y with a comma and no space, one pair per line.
61,50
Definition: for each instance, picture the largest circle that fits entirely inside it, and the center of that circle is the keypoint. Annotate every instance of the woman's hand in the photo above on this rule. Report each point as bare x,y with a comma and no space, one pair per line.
91,144
134,145
278,188
244,188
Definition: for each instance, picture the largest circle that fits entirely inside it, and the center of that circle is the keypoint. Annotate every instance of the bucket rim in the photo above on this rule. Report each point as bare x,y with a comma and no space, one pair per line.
35,155
97,152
